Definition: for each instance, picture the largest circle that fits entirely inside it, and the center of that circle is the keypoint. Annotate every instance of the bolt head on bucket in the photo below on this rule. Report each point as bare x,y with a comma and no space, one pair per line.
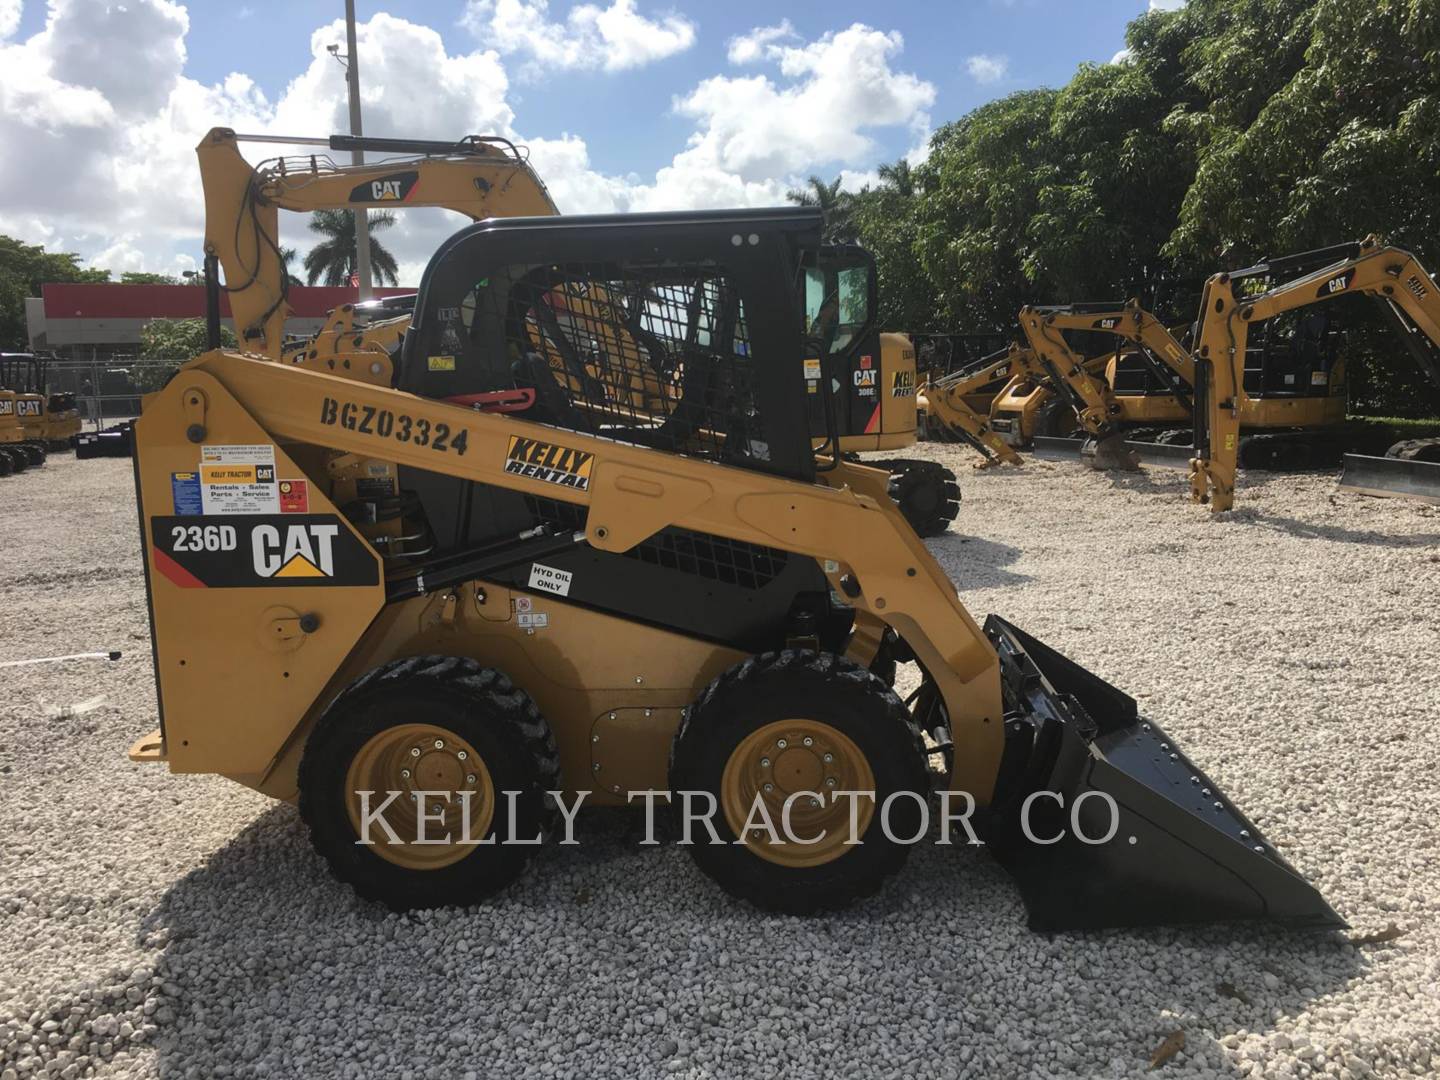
1123,829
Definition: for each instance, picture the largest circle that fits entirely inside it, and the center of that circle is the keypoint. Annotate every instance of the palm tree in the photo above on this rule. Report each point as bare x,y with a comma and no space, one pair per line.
287,260
333,259
832,202
899,177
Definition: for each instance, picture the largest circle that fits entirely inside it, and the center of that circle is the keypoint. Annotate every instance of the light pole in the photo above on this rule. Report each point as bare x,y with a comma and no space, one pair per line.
351,61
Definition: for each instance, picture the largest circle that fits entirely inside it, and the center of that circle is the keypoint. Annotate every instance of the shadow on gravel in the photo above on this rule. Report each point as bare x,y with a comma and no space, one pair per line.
975,563
612,958
1307,530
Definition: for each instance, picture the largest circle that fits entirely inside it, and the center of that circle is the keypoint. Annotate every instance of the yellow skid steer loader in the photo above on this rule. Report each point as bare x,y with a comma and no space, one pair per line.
435,609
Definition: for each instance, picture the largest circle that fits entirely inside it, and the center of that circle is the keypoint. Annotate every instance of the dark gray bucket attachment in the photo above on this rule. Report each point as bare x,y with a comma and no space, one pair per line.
1181,852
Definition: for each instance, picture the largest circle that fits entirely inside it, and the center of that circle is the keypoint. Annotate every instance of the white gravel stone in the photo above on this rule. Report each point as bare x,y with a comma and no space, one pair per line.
159,925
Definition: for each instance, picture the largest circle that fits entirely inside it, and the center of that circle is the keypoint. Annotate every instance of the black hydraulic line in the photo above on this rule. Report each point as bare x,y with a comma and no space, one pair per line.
212,302
471,144
454,569
1300,262
1200,413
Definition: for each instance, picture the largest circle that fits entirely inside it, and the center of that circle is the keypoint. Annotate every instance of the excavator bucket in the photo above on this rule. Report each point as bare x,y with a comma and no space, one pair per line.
1123,829
1111,452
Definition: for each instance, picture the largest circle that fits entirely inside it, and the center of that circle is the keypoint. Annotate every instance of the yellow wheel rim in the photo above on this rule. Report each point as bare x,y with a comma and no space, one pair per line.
410,758
788,757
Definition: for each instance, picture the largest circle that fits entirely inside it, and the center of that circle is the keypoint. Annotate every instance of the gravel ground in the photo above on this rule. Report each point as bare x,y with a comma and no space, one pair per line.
158,925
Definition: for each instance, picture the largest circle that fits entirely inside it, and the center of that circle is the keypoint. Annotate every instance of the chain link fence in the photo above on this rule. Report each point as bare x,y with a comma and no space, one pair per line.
108,388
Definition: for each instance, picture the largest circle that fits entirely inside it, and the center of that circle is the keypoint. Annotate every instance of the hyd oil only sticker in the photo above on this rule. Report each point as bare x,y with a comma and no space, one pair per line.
549,579
260,551
549,462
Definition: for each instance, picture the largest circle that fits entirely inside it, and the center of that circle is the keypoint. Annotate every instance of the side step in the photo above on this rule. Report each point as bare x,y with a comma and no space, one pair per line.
1057,449
1392,477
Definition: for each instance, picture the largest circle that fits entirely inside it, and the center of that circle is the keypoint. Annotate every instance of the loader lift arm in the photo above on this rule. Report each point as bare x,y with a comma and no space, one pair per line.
477,176
1393,277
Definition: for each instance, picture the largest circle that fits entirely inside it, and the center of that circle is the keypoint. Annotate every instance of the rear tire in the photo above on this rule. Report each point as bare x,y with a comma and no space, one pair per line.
495,741
34,453
7,463
927,493
747,721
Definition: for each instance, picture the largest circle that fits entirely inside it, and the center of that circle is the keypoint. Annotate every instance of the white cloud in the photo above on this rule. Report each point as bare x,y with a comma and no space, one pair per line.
752,134
613,38
121,181
1166,5
985,68
9,17
759,44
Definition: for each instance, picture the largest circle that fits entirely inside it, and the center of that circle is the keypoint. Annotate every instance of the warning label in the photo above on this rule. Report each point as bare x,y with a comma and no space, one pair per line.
238,454
185,488
549,579
294,497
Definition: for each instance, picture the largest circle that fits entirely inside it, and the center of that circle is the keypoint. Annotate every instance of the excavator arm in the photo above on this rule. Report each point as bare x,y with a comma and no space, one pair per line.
947,409
1392,276
478,177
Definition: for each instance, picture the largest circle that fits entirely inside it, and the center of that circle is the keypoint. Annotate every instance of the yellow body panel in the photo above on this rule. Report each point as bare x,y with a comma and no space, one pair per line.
240,681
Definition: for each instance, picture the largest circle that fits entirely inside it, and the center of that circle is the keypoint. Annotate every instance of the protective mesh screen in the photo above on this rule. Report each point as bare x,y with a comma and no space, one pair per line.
655,356
733,562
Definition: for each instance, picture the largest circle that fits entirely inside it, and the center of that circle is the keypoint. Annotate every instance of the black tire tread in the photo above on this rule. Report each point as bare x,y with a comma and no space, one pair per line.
832,667
511,704
906,475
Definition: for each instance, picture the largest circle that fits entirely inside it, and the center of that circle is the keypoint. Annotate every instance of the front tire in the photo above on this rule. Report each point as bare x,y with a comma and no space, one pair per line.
797,721
926,492
437,724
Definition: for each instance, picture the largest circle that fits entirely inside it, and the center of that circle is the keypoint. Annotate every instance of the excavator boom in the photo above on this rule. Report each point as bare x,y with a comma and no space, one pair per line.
478,177
1390,275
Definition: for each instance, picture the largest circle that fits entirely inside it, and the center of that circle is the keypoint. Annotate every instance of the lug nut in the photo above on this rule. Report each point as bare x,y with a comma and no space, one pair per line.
764,762
808,741
814,802
469,778
462,755
769,787
781,743
405,774
828,758
414,751
829,781
439,744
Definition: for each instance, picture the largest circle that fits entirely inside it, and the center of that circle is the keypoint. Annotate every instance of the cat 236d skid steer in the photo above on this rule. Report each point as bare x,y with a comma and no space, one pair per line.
461,582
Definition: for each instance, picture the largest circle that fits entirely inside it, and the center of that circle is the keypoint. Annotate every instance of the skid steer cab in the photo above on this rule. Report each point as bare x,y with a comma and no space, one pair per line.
584,549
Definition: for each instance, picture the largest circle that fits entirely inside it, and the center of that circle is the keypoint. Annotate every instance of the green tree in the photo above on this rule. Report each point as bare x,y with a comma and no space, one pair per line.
883,218
177,340
23,269
332,261
141,277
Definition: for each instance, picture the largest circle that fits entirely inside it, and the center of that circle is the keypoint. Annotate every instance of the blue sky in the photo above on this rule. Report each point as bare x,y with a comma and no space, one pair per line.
625,104
1043,41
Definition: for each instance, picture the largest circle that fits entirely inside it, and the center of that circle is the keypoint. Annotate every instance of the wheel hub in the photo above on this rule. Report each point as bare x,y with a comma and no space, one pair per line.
410,759
805,762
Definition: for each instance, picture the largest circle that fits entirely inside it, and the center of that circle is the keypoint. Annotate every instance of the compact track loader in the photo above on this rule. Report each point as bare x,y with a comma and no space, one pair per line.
635,574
